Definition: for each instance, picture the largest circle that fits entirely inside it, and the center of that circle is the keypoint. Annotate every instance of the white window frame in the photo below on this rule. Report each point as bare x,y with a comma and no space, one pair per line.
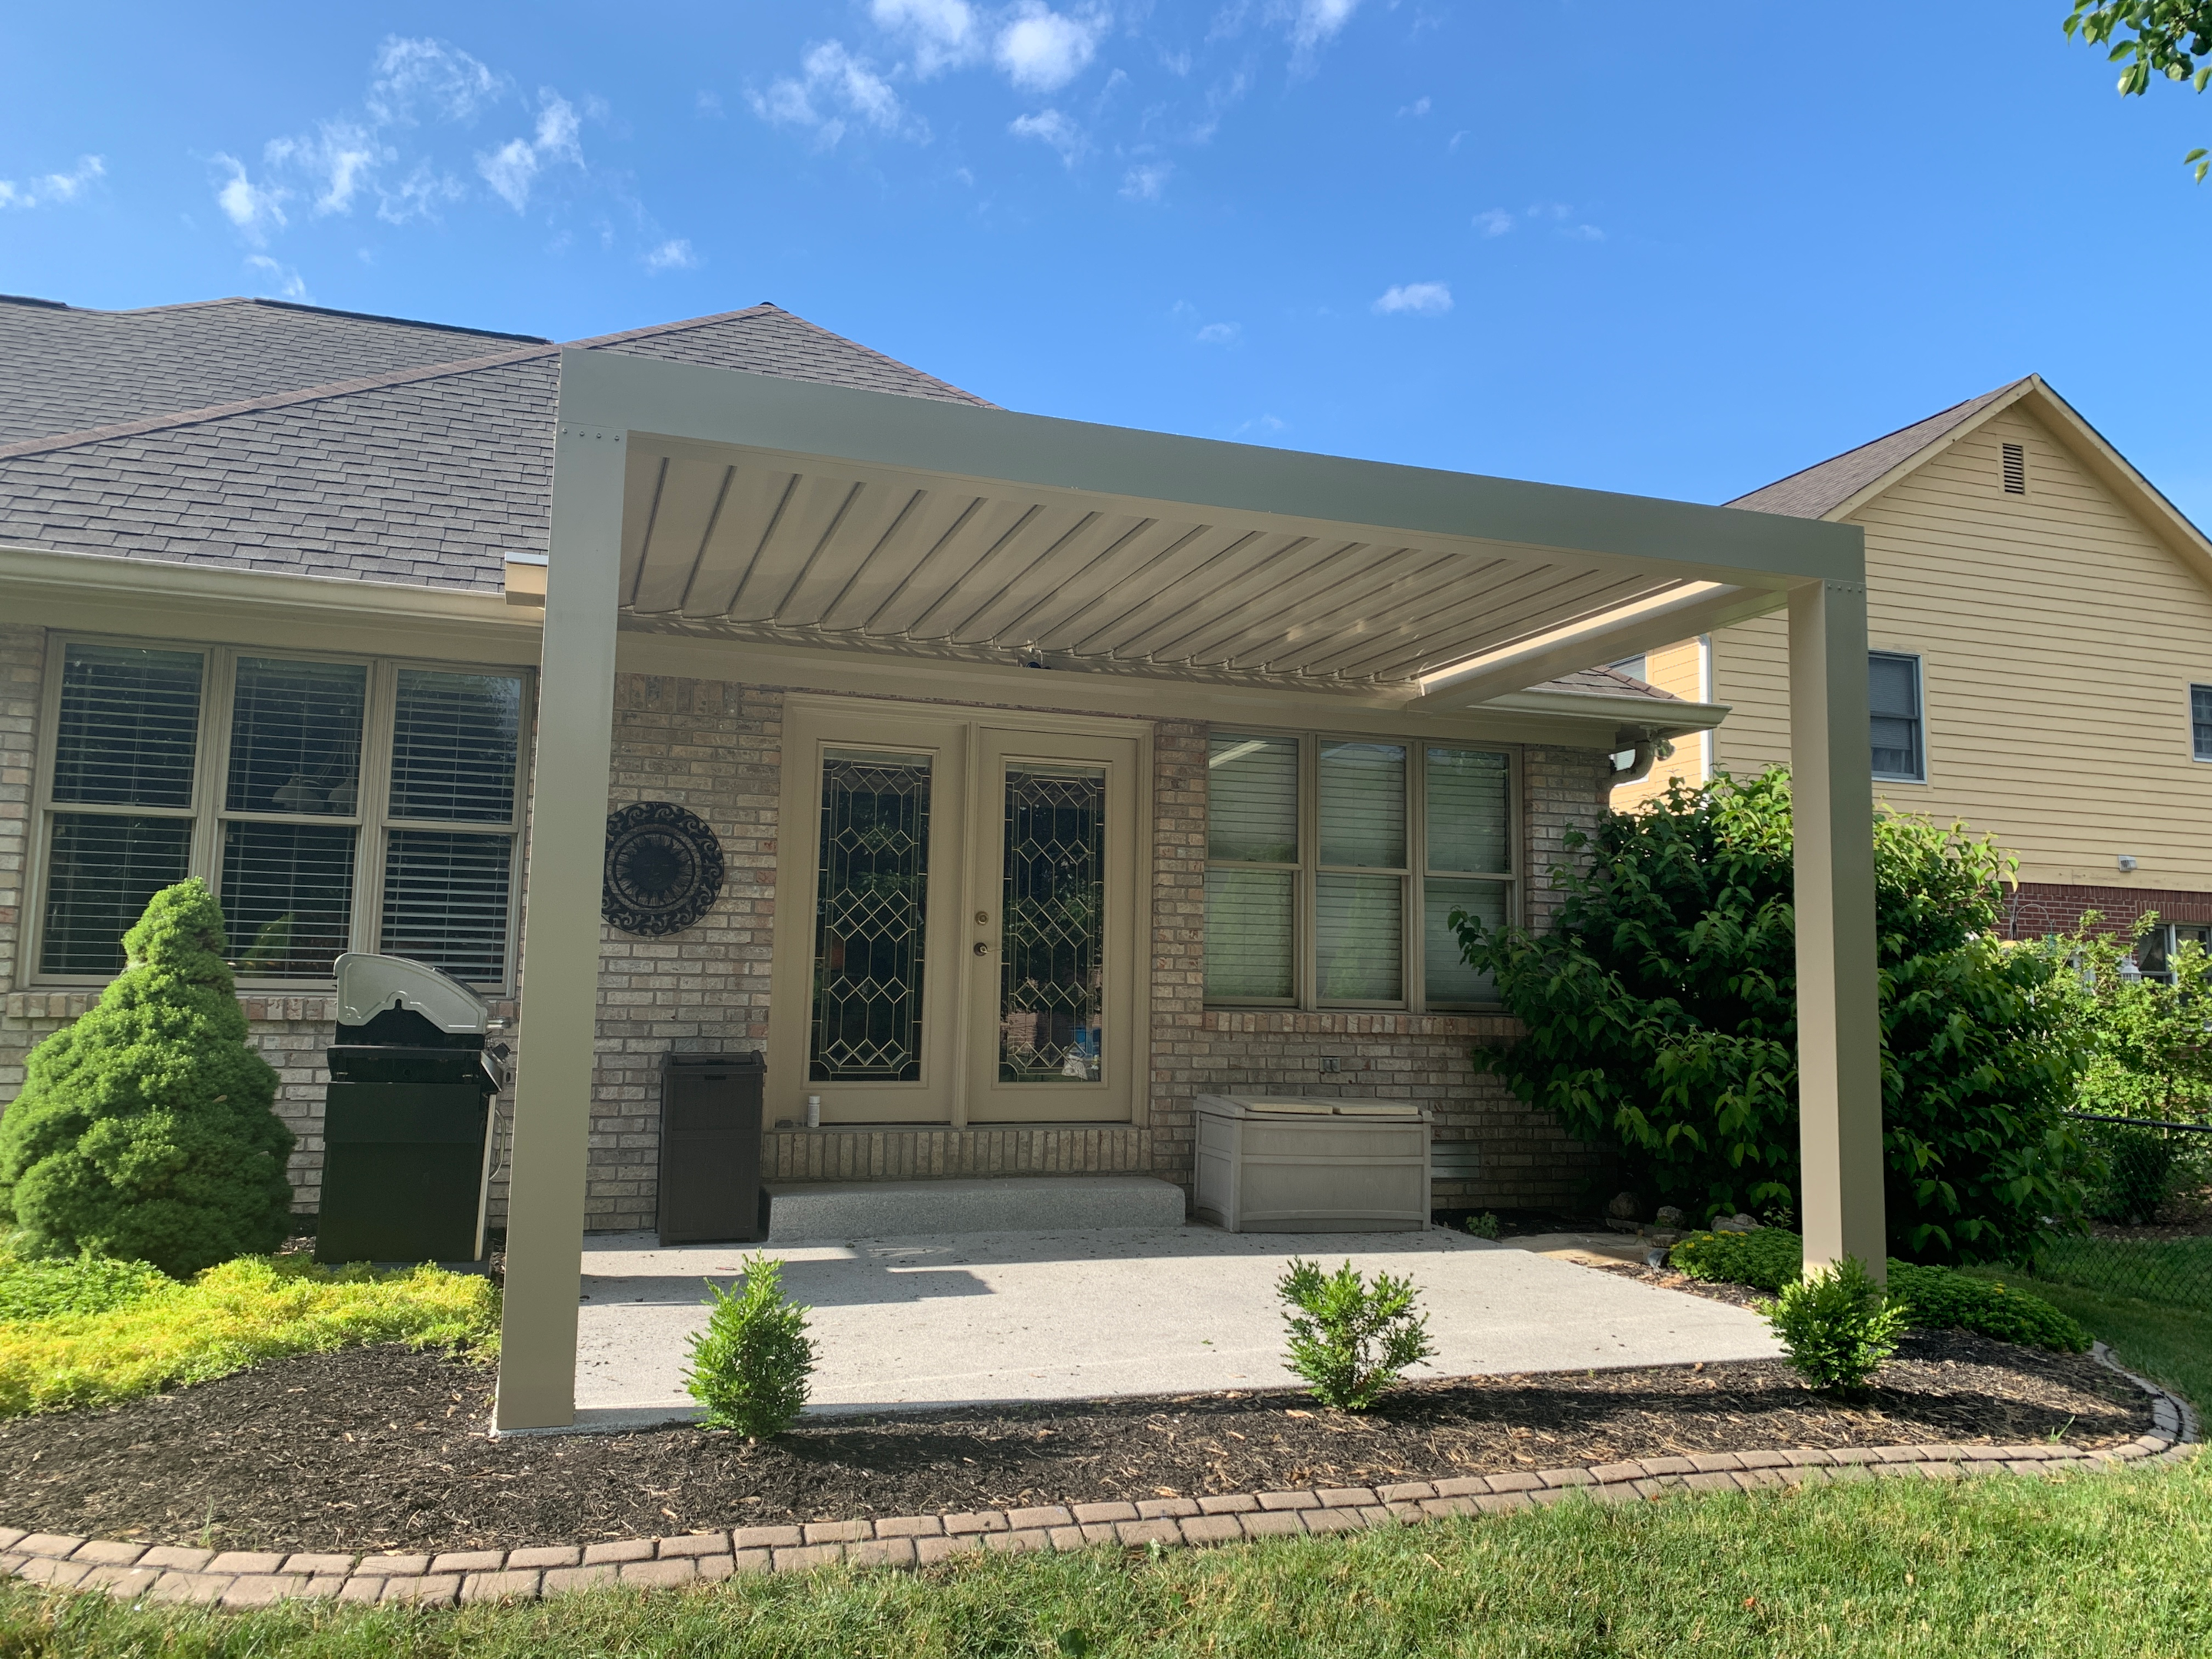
208,812
1415,873
1919,717
2195,751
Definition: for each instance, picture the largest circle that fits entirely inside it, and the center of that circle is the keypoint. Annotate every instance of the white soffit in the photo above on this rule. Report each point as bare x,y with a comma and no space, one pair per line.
813,551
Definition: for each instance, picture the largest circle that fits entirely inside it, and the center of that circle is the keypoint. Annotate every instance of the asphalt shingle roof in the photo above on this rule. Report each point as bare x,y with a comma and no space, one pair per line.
424,477
1819,490
66,370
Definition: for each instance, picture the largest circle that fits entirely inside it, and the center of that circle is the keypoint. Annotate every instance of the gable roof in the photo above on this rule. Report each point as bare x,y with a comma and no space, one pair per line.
1838,487
427,476
66,370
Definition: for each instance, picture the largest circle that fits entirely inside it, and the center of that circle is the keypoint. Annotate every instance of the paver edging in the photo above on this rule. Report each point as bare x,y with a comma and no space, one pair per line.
257,1578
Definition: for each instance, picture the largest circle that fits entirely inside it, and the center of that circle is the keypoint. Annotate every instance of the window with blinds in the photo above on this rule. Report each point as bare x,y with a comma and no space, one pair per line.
1893,709
2200,721
1334,866
332,805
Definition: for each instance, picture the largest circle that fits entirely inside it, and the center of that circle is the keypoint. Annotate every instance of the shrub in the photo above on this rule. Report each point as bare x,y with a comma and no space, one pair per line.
239,1314
1660,1014
144,1130
1349,1339
1836,1325
1932,1298
1486,1225
1765,1259
41,1289
749,1366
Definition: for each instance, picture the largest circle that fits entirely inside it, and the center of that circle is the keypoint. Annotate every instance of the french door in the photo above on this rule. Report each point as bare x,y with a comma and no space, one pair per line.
957,920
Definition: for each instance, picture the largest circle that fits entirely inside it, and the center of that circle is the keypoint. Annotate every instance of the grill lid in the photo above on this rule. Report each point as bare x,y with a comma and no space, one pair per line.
369,984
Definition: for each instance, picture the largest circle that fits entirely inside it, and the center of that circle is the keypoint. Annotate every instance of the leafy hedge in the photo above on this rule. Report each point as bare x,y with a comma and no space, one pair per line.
1934,1299
231,1316
1661,1017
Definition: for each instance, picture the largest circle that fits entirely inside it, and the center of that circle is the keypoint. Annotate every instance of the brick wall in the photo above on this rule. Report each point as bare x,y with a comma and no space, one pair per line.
2037,908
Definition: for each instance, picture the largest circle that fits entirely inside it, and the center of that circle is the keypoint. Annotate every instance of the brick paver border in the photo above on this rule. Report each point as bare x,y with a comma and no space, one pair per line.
239,1579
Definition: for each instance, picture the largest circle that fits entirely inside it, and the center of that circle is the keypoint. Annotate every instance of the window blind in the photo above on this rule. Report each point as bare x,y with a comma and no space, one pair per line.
288,896
2200,720
296,737
1359,937
1252,799
1248,933
1451,983
101,870
128,727
445,900
453,746
1466,824
1363,805
1893,705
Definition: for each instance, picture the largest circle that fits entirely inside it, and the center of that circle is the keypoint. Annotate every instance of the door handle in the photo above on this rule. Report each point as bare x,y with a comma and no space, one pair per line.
981,949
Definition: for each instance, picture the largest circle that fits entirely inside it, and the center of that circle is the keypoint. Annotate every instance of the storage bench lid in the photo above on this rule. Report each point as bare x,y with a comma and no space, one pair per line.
1306,1106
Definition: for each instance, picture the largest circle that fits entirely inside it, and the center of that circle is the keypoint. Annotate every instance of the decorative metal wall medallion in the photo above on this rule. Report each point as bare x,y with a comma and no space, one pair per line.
664,868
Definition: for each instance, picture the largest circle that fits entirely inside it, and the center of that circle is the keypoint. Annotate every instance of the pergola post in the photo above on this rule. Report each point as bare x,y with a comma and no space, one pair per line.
1838,1017
560,966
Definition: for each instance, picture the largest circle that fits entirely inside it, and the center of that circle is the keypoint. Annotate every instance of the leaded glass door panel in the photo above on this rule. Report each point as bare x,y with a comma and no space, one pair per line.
1053,929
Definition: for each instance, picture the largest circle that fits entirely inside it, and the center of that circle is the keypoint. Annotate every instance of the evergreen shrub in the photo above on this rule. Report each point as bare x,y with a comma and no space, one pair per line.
145,1130
1836,1325
749,1367
1659,1010
1348,1339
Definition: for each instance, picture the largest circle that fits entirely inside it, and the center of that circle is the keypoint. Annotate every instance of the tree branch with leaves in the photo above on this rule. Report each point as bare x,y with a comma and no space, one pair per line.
2172,38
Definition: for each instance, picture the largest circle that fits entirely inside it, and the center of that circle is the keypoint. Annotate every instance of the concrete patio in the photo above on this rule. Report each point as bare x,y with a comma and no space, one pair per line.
1085,1315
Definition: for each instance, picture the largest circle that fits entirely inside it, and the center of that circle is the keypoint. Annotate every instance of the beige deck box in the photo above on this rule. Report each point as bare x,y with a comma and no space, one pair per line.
1273,1163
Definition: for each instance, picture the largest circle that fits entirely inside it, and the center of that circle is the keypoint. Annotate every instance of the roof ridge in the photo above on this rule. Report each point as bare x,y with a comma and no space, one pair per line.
273,400
1961,409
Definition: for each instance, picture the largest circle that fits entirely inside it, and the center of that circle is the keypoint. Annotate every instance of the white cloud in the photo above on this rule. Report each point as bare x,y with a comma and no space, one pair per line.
1220,334
1416,298
672,255
288,283
1265,426
834,78
341,157
1042,50
943,34
514,167
710,106
1497,221
1418,108
418,195
1049,126
1144,183
256,209
54,188
1317,22
1582,232
455,85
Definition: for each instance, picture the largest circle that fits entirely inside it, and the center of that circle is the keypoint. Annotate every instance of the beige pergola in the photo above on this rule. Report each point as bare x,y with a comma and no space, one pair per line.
777,514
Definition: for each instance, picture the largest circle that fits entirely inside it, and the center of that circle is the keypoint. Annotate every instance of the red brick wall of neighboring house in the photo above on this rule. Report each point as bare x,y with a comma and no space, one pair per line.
2037,908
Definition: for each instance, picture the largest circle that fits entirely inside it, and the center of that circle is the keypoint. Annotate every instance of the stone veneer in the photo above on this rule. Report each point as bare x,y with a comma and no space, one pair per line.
715,747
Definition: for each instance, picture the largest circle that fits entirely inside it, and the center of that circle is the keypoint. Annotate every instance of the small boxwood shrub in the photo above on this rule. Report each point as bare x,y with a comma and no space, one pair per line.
145,1130
1933,1298
1837,1325
749,1367
1351,1340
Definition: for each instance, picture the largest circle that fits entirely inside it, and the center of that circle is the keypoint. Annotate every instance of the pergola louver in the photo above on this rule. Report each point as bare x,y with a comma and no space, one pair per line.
771,510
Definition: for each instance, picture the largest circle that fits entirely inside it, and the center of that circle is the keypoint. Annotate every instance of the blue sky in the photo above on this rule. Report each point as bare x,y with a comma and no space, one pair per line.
1593,243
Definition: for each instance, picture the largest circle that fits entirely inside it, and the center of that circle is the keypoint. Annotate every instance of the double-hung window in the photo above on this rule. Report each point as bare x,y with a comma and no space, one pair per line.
2200,721
1896,728
332,804
1334,864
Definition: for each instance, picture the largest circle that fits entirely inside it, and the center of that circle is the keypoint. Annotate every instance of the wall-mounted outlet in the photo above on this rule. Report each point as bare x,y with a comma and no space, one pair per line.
1329,1062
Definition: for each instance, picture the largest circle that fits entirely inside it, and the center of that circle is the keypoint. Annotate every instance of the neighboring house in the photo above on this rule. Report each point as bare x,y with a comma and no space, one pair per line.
271,591
2040,663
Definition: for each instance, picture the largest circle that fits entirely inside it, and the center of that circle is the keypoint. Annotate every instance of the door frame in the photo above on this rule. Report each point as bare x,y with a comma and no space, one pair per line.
956,734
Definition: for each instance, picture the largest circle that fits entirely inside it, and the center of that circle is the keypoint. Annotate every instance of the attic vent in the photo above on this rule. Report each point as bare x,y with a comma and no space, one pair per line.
2016,469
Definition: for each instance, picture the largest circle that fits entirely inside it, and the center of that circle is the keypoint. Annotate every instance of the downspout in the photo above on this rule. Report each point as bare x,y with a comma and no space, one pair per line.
1640,760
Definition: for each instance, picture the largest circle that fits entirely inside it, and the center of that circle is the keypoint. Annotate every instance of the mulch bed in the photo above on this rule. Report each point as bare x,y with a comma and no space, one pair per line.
382,1448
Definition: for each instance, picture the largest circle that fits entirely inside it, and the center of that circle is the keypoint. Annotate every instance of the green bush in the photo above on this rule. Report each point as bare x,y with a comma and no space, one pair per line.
1932,1298
44,1287
749,1366
1351,1341
1486,1225
1836,1325
1661,1006
145,1130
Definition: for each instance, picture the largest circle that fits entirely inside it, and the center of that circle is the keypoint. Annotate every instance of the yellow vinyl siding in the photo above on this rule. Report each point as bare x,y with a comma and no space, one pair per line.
1679,669
2058,638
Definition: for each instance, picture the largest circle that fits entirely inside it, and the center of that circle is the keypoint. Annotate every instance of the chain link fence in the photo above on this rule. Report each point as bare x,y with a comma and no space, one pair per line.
2149,1237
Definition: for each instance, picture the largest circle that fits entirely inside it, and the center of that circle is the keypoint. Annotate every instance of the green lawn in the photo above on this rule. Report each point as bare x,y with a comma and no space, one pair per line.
2168,1344
2117,1565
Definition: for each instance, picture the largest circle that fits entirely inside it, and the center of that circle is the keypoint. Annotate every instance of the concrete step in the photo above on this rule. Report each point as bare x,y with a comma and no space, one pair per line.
829,1211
